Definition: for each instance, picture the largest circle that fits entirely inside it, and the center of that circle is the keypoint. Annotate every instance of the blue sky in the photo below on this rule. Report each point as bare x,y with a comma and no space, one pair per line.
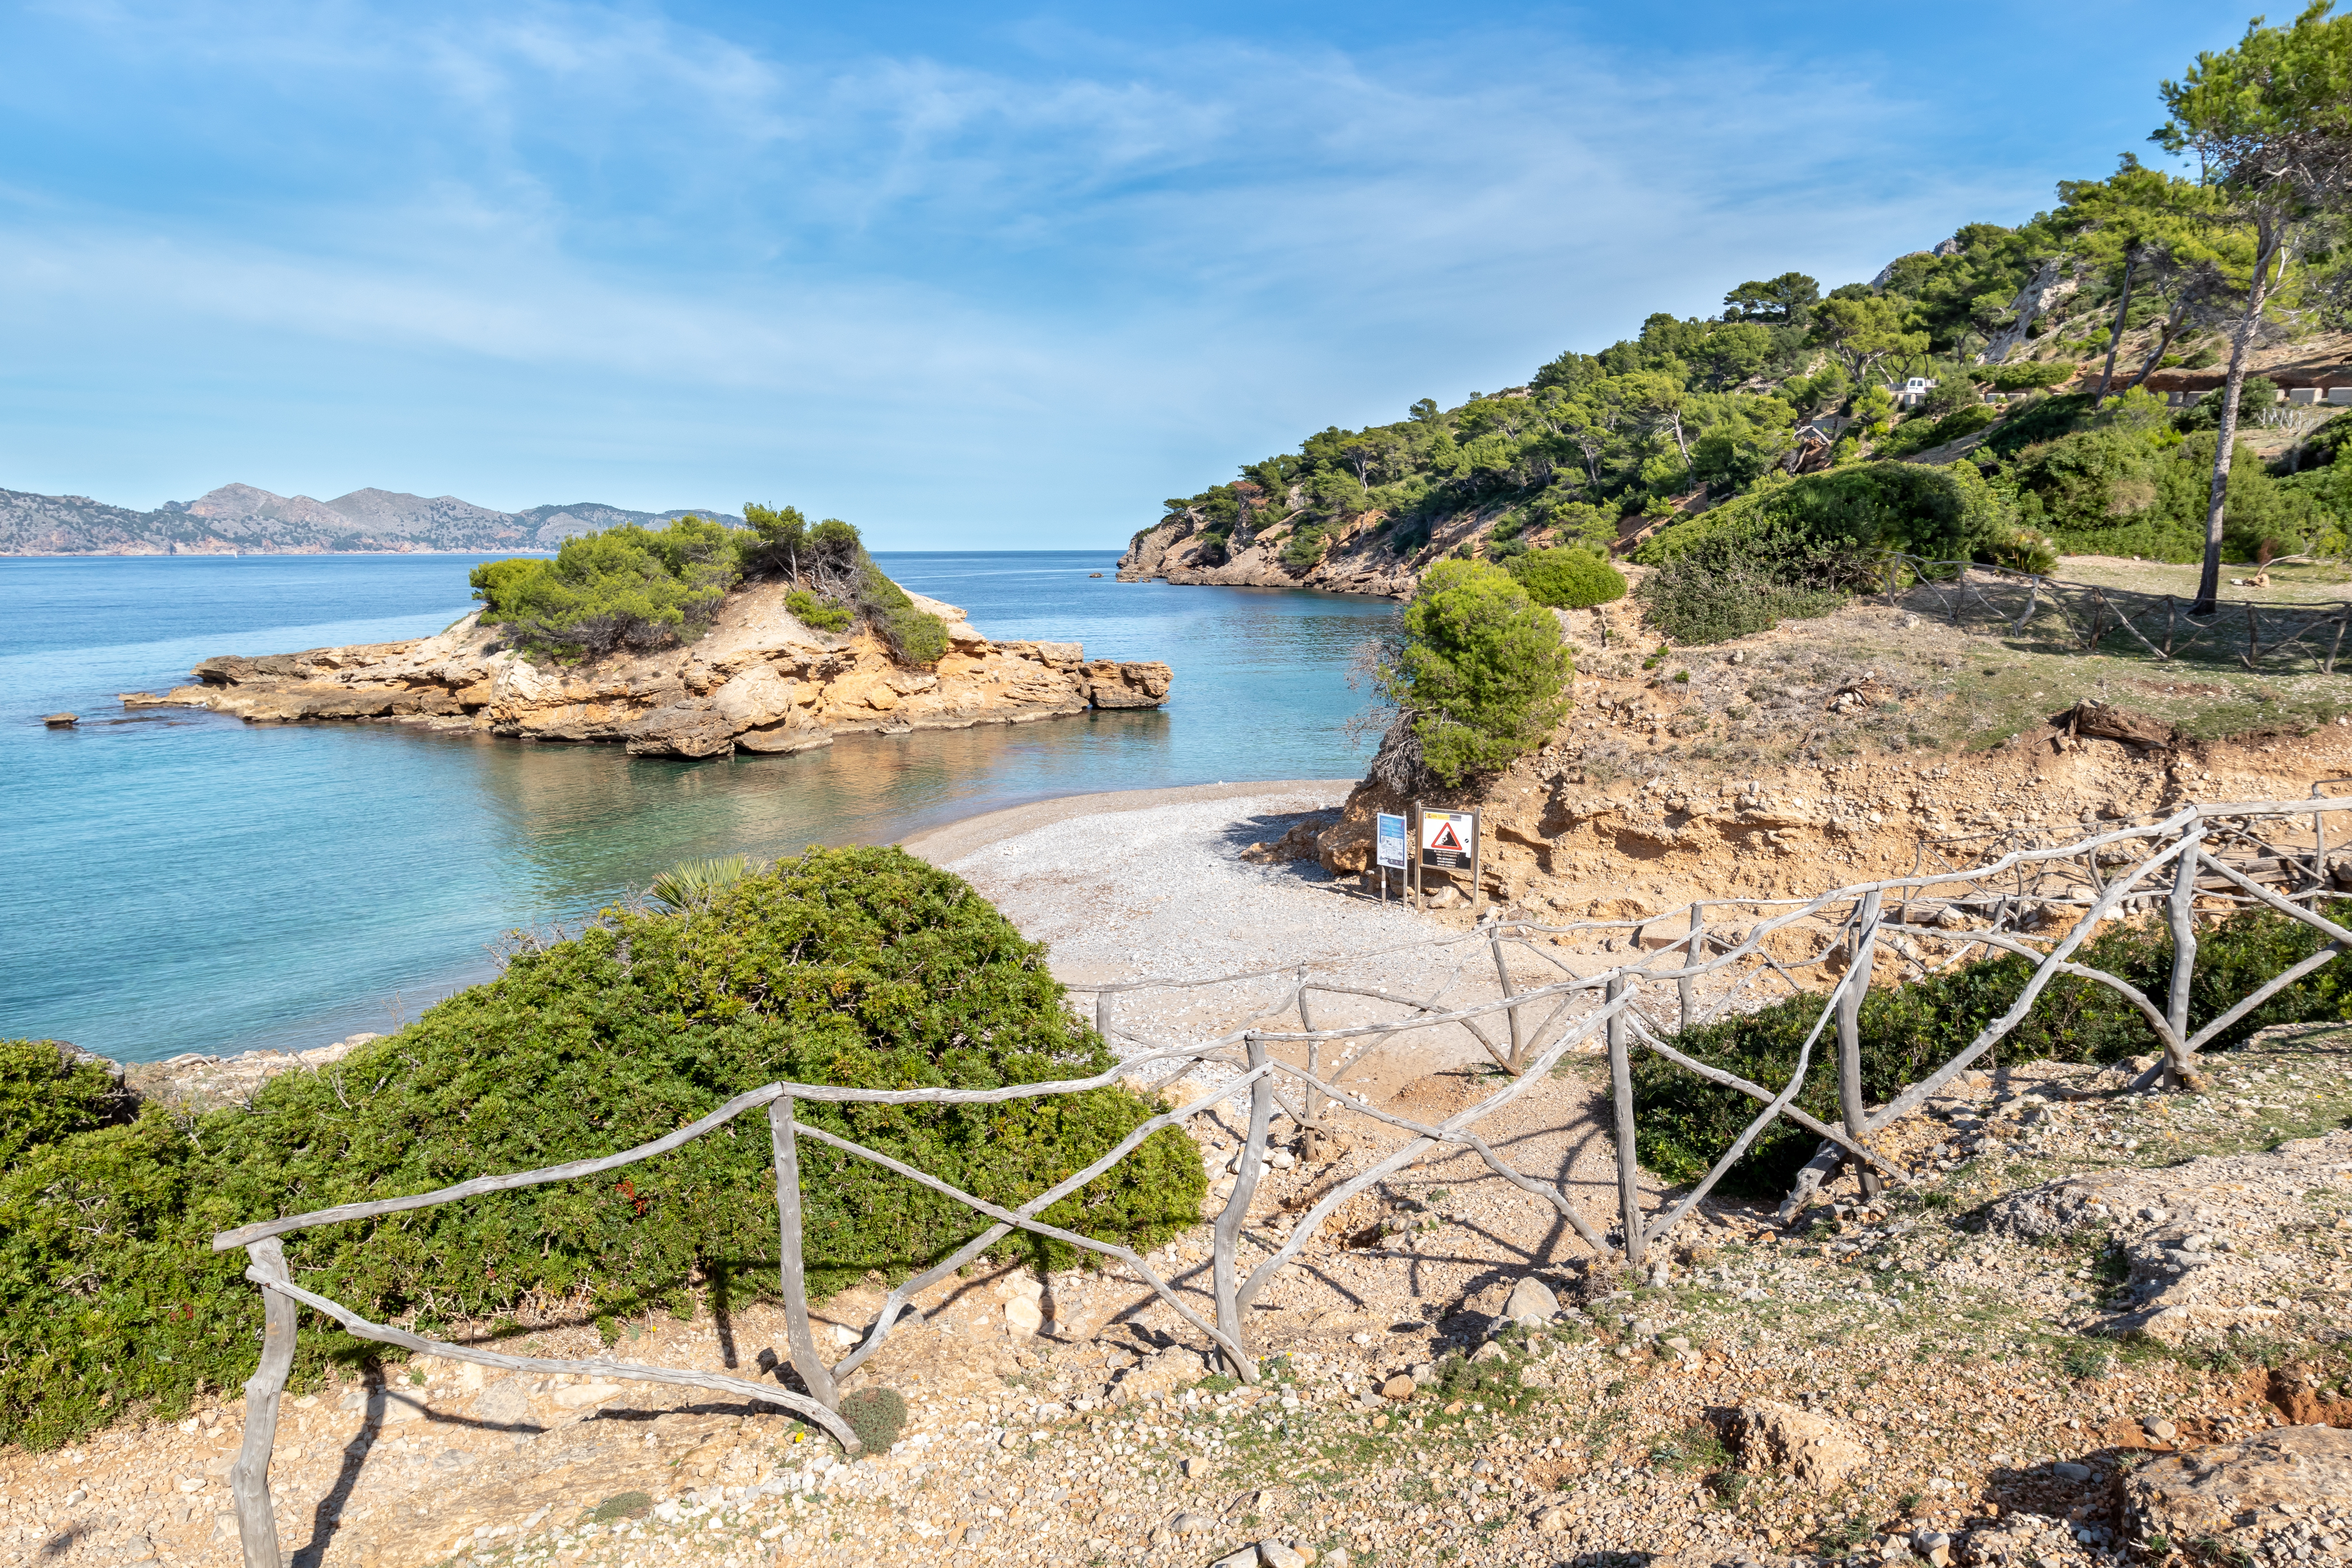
967,276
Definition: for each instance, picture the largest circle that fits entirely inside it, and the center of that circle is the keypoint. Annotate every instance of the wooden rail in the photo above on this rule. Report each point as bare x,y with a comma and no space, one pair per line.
2224,857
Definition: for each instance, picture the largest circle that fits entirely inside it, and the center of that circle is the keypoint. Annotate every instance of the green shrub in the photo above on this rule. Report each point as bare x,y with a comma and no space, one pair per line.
1306,544
46,1096
1917,435
1482,671
628,587
876,1414
1713,595
1942,513
1907,1031
913,636
848,966
816,613
1569,579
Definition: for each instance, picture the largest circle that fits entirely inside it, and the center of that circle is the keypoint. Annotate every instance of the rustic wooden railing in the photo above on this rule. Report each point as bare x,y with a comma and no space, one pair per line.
2213,857
2088,618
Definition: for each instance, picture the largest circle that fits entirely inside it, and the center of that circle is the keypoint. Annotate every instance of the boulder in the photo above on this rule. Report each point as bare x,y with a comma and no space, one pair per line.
1817,1451
1162,1373
2234,1494
1531,1301
755,699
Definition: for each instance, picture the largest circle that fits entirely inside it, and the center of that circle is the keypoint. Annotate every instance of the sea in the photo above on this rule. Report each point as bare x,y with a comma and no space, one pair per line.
181,882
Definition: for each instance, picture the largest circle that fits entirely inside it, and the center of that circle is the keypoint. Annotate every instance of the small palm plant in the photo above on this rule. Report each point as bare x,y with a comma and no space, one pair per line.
691,884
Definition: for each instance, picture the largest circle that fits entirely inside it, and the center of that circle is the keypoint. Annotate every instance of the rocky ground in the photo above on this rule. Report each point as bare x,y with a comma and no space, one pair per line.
1950,1372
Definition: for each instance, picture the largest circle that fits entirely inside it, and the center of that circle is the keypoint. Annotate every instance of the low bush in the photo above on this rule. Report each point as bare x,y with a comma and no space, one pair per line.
817,613
1698,599
847,966
46,1095
1483,672
1306,544
628,587
912,635
1916,434
1568,579
1907,1031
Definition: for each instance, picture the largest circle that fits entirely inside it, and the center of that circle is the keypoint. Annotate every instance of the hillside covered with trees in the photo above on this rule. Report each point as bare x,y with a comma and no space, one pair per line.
2040,342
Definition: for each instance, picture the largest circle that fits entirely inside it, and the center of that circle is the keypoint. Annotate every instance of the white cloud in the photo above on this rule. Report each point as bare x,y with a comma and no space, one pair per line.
1126,266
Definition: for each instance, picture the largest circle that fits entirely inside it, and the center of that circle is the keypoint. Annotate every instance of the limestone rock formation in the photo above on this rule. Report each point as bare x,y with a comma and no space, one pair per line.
759,679
2243,1500
1819,1452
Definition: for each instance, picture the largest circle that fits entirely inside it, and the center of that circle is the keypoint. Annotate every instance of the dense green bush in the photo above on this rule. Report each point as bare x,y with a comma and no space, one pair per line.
818,614
1483,671
1917,435
628,587
1907,1031
1306,544
1713,595
45,1096
914,636
1568,579
1817,520
850,966
2126,482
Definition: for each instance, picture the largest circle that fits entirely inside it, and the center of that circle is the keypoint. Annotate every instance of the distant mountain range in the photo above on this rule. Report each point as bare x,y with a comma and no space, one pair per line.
238,520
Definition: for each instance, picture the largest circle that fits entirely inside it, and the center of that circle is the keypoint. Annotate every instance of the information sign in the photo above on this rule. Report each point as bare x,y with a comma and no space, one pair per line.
1449,839
1391,834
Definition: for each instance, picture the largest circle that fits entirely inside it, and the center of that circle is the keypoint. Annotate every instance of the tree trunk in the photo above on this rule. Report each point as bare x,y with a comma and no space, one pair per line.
2116,338
2241,342
2163,339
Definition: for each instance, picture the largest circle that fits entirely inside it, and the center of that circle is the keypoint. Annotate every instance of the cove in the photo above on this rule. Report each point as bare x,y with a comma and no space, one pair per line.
188,883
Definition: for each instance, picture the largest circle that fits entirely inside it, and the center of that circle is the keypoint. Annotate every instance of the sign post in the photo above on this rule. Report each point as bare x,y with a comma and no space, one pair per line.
1390,836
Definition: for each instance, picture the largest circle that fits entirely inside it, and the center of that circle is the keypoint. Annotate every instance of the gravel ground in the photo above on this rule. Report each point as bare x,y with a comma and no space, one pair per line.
1948,1349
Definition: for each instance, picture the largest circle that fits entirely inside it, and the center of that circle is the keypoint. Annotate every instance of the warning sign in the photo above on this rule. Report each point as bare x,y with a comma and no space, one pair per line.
1391,838
1448,840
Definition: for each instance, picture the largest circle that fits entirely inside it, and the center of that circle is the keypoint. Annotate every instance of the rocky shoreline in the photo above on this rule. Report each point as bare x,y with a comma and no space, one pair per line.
759,680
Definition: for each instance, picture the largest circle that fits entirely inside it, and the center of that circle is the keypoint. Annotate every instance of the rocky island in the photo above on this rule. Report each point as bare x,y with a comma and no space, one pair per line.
757,675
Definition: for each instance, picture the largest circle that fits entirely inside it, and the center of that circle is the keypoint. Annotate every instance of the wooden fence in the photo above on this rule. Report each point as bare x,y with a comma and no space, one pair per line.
2041,901
2086,618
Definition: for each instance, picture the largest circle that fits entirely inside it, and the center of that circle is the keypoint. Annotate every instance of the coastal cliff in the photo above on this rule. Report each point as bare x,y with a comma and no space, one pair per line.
1357,559
759,680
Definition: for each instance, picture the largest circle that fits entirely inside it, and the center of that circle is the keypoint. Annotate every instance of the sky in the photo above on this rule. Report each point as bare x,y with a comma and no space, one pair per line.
967,275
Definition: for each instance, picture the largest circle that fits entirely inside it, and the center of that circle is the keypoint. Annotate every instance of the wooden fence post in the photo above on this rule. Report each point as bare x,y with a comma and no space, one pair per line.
1856,1113
1313,1098
249,1478
1227,1233
1687,988
792,1273
1620,1089
1503,975
2180,913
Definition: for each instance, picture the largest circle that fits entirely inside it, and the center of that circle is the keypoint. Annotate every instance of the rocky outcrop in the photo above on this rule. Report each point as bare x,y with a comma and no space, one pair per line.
759,680
1357,560
2269,1498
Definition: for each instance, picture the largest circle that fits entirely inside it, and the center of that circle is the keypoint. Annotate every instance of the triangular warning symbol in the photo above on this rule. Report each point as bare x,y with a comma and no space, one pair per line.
1447,838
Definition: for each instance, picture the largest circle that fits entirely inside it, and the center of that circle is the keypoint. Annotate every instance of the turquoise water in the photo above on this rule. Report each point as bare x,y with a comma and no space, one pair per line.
183,882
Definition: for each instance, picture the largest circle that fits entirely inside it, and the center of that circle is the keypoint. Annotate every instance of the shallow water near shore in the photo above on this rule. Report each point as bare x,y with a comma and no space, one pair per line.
185,882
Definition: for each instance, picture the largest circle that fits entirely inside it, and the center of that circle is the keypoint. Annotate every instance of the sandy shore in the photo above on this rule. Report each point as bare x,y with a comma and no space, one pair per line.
1152,884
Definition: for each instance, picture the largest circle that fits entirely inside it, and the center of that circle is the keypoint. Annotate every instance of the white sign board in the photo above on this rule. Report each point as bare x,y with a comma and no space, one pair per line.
1448,838
1390,836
